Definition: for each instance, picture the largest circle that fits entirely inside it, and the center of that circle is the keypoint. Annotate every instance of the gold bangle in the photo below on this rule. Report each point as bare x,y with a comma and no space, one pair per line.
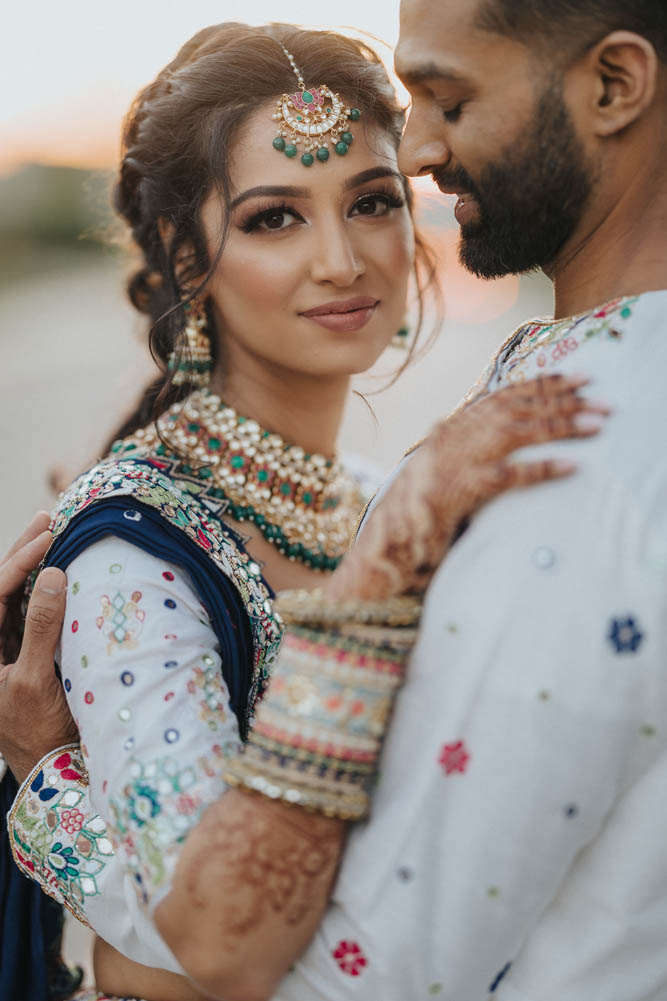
315,608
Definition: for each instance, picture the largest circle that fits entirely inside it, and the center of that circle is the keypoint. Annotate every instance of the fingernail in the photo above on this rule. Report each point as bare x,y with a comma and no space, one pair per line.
598,406
587,422
51,581
578,380
564,466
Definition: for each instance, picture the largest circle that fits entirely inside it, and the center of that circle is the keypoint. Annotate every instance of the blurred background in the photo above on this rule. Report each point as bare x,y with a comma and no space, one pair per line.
73,355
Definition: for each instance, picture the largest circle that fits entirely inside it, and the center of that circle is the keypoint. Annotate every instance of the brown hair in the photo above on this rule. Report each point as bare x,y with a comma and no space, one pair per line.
173,138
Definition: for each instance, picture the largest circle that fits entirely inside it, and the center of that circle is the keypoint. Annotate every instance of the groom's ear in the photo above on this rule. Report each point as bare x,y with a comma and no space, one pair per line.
621,78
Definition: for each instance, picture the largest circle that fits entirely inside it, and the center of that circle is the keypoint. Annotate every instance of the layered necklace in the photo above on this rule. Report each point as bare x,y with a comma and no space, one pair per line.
305,504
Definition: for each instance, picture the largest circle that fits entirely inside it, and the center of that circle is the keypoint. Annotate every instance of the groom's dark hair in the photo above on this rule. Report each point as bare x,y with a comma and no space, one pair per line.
573,26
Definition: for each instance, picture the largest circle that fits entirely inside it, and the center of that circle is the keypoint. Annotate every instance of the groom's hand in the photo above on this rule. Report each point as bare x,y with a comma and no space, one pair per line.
34,717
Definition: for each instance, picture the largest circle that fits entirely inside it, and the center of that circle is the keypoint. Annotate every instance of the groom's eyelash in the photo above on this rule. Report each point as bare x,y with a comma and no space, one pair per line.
453,114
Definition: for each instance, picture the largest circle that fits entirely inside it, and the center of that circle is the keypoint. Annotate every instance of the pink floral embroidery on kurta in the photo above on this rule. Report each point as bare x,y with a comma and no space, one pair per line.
454,757
350,958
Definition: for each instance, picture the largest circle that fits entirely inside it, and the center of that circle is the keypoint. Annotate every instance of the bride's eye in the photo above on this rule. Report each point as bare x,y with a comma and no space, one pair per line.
376,204
276,218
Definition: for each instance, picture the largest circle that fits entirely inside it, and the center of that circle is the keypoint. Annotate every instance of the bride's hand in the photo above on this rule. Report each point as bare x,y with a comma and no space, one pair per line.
34,717
465,462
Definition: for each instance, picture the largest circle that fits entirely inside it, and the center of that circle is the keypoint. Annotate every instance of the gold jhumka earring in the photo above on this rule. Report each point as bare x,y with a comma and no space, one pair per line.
195,363
316,118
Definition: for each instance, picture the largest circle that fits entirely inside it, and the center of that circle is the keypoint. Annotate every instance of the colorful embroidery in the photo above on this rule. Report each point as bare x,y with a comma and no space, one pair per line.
454,758
552,341
350,958
61,847
540,335
157,809
188,507
207,683
121,621
624,635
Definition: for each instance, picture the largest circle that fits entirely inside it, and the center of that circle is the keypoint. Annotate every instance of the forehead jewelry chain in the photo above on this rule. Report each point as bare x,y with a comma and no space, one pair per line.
315,118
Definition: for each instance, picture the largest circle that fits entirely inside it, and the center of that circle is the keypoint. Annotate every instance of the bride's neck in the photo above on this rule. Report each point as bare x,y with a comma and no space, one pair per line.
302,409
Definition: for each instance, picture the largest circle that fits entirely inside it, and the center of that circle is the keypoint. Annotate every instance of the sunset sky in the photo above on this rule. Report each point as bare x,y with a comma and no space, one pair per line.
68,70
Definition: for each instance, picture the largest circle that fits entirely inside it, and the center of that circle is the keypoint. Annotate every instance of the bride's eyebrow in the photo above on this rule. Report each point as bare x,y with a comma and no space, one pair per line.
271,190
289,191
372,174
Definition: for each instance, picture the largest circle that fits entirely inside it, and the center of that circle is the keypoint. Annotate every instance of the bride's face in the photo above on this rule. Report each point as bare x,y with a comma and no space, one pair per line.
336,235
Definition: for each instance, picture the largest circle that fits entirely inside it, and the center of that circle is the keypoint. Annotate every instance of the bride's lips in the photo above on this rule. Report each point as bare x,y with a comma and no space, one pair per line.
348,315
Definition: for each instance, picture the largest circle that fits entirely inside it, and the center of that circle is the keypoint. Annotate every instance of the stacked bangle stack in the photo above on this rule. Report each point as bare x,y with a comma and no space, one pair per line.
319,729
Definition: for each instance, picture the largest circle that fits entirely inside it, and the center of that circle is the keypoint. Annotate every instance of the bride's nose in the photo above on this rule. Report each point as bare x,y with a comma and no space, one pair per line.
334,257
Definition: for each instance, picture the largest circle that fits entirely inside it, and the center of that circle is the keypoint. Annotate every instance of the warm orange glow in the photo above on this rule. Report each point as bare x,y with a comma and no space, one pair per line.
67,84
85,143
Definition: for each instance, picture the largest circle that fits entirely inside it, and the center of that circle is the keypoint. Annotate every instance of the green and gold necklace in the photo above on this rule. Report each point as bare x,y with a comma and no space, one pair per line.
306,505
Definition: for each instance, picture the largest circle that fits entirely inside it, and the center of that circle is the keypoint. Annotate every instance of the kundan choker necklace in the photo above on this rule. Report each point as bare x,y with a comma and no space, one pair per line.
305,504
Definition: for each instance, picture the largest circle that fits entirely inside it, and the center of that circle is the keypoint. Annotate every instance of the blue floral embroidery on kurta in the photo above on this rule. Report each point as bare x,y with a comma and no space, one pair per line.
495,983
44,794
625,635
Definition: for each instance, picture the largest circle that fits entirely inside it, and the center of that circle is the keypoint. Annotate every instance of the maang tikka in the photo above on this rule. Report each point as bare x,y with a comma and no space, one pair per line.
316,118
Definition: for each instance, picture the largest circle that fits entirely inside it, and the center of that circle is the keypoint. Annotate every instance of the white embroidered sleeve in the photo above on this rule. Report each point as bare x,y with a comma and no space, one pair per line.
56,837
142,671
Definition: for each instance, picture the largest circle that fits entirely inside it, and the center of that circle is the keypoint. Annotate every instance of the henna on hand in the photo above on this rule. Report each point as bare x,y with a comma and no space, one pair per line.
252,881
261,858
460,466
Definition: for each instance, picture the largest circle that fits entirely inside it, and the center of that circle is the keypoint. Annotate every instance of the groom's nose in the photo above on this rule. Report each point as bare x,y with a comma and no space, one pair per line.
423,148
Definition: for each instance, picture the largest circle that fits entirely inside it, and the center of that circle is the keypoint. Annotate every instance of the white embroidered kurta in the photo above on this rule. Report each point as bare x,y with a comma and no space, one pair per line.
517,843
141,669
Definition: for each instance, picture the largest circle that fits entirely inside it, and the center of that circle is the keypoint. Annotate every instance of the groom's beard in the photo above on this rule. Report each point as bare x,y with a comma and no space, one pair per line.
530,200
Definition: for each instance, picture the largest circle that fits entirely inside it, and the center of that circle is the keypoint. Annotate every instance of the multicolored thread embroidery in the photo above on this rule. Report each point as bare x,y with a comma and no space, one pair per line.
63,848
121,621
187,507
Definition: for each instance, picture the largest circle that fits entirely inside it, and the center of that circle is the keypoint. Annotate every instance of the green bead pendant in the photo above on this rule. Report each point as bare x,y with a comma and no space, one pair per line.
355,114
279,143
341,148
322,154
347,138
290,150
308,159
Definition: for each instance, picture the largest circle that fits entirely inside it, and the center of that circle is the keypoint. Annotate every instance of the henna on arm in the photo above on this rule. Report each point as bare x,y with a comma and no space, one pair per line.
250,888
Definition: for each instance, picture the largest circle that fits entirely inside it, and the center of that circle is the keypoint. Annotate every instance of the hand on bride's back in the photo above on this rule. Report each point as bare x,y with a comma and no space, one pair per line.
464,462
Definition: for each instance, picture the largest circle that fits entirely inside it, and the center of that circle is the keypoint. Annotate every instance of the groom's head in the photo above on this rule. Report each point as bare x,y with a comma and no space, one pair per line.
538,113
